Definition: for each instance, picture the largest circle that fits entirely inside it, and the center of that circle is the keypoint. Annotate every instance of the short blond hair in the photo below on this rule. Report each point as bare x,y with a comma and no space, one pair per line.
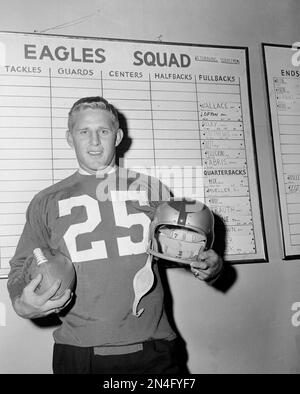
96,102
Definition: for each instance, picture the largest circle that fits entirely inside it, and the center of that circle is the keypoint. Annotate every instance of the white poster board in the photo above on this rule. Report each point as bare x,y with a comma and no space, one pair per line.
188,117
282,69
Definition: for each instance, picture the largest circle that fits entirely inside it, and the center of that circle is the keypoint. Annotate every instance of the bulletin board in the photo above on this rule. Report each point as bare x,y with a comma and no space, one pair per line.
282,70
188,117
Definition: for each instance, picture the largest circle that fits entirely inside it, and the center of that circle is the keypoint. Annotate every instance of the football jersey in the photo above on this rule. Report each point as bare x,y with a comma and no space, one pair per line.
101,222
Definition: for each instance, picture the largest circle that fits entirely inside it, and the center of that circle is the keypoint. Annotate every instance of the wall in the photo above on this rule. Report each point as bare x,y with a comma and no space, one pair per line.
247,329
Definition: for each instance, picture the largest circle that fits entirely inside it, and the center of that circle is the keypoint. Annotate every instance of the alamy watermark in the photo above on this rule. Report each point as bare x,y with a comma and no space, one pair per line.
2,54
296,316
2,315
188,181
296,56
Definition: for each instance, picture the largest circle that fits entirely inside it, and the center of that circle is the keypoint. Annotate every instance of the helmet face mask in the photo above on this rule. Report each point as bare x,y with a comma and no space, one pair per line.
181,230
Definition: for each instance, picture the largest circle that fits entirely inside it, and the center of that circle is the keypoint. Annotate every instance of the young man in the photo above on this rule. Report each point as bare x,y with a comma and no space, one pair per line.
99,217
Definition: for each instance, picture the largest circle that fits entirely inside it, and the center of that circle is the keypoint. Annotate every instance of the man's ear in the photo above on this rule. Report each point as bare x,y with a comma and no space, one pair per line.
119,137
69,138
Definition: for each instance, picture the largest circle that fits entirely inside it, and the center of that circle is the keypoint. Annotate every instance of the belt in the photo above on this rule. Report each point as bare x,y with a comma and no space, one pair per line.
117,350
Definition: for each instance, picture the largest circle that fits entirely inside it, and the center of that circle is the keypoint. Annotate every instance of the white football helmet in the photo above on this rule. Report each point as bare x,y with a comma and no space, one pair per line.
181,230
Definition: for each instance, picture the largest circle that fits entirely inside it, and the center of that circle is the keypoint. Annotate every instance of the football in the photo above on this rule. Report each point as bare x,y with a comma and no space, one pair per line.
53,265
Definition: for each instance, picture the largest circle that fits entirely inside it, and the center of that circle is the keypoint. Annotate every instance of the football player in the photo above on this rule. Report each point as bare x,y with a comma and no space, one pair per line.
99,217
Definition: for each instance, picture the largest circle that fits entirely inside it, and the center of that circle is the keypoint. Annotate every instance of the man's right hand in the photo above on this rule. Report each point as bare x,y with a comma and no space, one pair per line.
31,305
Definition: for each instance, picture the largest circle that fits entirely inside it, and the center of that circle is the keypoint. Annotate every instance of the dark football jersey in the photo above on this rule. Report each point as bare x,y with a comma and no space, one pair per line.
101,223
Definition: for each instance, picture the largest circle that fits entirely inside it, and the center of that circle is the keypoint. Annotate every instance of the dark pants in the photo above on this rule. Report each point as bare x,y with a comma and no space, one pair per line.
156,357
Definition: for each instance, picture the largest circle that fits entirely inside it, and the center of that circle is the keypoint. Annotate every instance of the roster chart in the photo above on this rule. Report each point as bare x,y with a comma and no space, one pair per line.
188,117
282,67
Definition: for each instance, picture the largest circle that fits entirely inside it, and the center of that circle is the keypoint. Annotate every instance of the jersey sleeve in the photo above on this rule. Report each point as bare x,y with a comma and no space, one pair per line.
34,235
159,193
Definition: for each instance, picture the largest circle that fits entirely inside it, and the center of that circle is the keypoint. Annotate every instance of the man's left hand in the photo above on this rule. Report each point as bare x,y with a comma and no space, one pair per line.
208,266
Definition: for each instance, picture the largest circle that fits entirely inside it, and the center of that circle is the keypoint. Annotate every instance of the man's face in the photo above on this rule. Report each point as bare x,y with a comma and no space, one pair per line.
94,138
